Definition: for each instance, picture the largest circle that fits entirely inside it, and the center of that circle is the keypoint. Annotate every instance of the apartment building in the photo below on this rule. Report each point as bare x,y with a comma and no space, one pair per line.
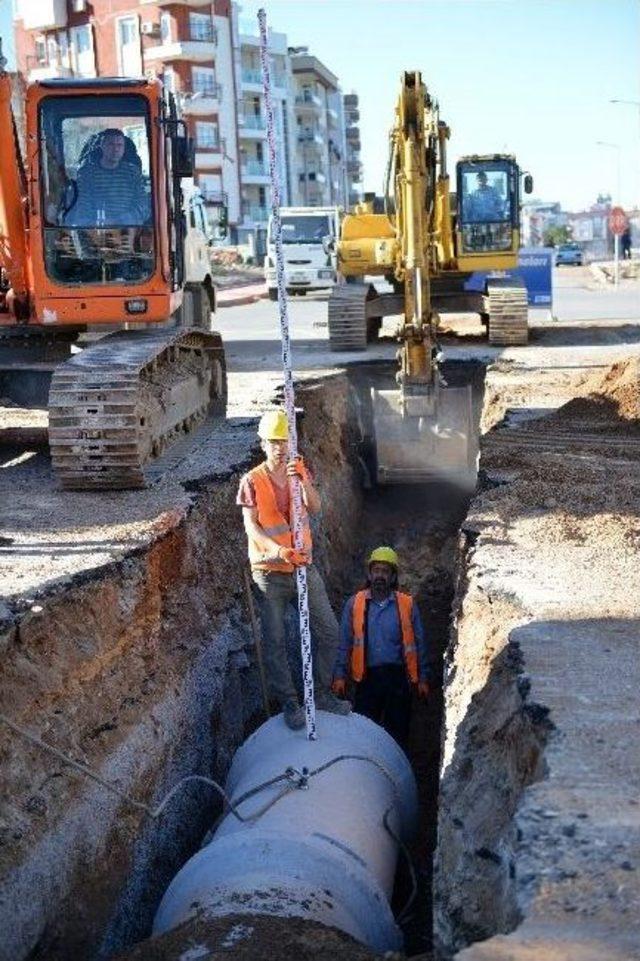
351,104
318,171
208,55
186,43
252,128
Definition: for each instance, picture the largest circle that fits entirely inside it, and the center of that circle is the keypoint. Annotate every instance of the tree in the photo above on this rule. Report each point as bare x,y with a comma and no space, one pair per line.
554,236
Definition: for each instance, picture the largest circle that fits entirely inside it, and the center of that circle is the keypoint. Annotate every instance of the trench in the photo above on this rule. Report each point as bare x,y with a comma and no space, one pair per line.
188,654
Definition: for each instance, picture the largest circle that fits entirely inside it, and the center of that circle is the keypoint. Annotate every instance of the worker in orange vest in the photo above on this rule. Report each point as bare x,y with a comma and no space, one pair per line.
382,648
265,497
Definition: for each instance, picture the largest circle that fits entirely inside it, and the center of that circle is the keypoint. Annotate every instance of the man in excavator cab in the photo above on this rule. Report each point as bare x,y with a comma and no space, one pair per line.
485,203
110,186
98,195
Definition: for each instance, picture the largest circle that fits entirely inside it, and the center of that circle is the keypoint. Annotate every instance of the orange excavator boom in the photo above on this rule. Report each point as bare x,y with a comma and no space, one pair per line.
14,257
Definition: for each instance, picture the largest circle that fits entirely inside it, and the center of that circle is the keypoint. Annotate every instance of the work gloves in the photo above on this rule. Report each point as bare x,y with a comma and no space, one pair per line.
291,556
297,468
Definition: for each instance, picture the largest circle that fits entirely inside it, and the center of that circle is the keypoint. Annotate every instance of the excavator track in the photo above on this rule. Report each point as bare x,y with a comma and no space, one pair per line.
119,404
508,314
348,317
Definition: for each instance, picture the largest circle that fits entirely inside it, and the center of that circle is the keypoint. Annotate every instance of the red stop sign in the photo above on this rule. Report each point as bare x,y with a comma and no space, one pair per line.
618,222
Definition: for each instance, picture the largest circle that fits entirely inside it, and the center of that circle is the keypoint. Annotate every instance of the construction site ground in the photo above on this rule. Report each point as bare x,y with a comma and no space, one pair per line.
538,853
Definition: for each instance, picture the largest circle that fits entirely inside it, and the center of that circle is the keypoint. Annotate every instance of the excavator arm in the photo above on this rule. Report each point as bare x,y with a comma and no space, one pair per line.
14,259
422,430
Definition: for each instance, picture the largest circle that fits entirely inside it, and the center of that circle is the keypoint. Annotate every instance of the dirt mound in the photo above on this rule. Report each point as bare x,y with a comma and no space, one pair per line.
620,384
249,937
608,403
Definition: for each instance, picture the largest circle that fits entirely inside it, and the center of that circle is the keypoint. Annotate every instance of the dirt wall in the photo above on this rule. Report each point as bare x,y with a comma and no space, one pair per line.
143,670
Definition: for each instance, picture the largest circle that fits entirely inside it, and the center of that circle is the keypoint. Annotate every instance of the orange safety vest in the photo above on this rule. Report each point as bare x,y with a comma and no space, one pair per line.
409,649
273,523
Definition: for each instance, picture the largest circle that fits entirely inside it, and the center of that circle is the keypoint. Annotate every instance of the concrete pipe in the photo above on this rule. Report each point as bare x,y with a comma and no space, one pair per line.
322,850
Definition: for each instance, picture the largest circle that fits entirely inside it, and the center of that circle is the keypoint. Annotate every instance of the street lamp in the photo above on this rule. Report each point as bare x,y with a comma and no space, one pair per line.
629,103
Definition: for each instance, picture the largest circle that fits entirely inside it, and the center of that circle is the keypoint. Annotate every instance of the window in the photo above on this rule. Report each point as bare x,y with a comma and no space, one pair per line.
207,135
52,48
169,79
305,229
203,81
41,50
63,43
165,27
83,61
487,197
96,191
200,27
211,187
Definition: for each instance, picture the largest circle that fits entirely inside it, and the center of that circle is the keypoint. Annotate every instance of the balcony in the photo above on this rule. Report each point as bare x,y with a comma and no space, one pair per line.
251,79
254,213
354,168
351,100
255,172
207,157
351,117
201,101
251,126
309,101
48,72
311,137
352,133
214,197
200,47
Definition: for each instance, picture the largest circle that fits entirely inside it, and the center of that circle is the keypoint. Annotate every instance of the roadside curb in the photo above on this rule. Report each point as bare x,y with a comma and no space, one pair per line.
238,297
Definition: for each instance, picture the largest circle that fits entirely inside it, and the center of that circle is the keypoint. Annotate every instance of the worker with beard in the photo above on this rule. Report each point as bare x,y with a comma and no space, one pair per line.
383,649
265,497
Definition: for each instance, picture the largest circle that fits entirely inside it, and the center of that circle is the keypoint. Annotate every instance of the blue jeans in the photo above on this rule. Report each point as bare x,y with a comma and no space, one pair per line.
276,591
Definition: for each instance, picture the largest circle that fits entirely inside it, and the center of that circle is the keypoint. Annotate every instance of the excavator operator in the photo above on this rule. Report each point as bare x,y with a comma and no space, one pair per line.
110,185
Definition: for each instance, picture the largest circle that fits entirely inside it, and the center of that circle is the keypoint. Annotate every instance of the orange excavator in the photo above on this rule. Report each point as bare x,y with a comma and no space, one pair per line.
92,235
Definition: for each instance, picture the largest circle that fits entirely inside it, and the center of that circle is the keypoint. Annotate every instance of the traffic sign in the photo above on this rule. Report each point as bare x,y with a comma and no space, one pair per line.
618,222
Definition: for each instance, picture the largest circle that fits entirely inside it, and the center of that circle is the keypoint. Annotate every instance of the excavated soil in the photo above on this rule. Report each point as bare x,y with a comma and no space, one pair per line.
539,833
142,667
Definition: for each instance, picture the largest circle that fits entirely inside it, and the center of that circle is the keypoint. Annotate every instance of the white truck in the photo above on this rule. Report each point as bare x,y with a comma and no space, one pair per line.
199,295
308,236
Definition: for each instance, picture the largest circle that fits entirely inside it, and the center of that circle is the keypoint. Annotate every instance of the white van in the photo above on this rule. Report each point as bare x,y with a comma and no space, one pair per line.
307,235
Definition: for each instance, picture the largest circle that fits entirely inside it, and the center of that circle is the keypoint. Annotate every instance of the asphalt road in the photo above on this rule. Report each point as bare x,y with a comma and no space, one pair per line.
252,333
577,297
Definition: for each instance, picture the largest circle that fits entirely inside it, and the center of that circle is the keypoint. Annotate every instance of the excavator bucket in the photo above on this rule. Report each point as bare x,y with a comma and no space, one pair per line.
425,436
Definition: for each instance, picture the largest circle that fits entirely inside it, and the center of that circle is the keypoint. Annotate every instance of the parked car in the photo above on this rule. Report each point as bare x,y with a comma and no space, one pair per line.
570,254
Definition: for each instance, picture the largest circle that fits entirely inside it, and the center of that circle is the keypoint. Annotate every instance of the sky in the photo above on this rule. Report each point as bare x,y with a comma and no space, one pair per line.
529,77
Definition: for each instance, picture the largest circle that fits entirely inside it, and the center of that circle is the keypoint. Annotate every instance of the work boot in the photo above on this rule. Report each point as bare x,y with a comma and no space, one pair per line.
293,715
327,701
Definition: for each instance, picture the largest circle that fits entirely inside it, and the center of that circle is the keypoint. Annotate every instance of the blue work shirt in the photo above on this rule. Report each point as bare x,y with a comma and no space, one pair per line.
384,637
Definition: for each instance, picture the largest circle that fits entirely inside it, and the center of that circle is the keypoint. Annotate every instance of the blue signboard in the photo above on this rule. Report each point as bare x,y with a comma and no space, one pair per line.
535,268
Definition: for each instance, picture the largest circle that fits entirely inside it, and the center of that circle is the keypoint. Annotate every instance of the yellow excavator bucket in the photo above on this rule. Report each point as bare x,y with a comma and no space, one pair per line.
425,435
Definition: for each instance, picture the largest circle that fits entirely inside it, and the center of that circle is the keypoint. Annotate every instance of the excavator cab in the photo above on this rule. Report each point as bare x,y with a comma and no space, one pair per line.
108,210
488,214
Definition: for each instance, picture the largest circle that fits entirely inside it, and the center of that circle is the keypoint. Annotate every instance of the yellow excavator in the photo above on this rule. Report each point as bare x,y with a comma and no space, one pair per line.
427,244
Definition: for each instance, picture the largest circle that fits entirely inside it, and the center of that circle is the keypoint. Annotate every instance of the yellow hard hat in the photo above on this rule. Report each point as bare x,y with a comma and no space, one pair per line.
384,555
274,425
